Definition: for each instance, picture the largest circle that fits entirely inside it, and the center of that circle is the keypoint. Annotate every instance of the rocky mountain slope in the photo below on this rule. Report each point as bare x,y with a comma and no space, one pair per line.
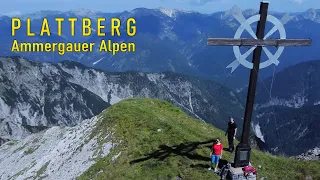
168,40
288,121
133,139
313,154
56,153
35,96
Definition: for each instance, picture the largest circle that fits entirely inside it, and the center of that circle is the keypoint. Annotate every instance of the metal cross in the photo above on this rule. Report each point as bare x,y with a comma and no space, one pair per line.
242,156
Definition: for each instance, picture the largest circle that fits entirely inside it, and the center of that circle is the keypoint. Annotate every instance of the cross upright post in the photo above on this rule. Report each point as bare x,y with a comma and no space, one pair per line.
243,150
242,153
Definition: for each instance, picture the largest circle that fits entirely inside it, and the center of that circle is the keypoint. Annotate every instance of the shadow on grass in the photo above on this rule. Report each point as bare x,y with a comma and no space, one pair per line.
183,149
222,163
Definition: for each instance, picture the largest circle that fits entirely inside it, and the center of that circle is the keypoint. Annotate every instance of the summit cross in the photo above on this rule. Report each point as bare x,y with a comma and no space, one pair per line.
259,41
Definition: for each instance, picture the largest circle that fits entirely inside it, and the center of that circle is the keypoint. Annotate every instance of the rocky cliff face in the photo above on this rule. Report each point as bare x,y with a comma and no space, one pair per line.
35,96
313,154
287,121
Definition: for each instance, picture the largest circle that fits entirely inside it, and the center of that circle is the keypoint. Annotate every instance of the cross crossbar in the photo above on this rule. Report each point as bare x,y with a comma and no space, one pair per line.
257,42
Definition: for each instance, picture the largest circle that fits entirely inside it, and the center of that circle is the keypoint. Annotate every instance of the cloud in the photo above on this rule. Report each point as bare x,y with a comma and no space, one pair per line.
193,2
13,13
200,2
298,1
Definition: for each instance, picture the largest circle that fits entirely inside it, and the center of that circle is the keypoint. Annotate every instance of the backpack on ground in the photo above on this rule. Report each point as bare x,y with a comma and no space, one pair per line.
247,170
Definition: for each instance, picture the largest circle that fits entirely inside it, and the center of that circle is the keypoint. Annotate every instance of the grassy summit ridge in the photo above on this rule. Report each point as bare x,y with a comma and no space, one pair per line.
157,140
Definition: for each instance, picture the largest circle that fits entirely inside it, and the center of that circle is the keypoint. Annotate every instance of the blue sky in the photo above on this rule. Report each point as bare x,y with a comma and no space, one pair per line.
13,7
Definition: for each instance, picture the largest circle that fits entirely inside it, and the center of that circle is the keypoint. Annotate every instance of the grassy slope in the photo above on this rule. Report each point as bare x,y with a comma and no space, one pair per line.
179,149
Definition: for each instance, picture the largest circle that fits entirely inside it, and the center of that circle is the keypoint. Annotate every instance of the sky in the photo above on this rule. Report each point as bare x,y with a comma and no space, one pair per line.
16,7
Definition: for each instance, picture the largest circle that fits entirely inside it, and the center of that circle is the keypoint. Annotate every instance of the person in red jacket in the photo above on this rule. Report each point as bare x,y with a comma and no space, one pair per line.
216,154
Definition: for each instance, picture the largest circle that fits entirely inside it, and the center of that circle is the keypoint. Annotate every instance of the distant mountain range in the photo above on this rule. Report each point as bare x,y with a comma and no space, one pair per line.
288,121
170,40
35,96
38,95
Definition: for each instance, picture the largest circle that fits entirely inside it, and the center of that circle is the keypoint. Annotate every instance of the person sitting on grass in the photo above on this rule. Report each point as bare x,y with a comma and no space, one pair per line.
216,154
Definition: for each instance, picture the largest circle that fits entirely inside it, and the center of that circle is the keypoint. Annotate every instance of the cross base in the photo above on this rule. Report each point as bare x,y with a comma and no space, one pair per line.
242,155
229,172
237,174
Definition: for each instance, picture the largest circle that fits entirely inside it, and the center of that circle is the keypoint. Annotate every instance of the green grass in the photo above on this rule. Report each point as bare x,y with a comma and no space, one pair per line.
20,148
179,148
18,173
30,150
42,170
23,171
10,143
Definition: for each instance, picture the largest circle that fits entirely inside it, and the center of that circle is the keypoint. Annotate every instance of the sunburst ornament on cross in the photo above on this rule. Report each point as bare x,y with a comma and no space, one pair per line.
245,25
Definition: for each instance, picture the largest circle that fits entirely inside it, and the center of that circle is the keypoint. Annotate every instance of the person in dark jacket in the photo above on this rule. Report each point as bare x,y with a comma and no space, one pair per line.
231,132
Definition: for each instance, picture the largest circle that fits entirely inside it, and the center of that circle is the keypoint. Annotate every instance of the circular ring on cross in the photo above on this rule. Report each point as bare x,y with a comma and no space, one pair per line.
273,58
